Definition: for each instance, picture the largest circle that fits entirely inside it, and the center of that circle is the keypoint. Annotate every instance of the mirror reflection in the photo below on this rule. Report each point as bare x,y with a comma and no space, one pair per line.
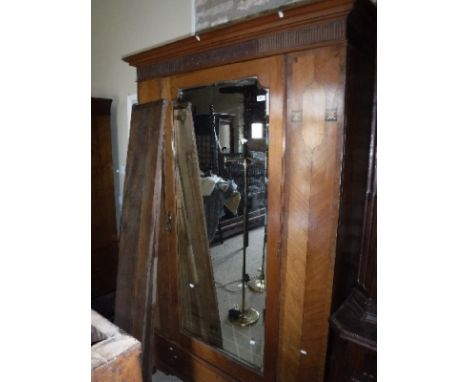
222,143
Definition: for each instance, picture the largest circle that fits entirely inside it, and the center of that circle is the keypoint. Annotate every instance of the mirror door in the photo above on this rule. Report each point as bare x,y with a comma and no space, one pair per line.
222,214
228,149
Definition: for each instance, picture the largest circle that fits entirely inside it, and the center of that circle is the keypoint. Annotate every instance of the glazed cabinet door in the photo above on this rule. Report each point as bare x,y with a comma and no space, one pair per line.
197,332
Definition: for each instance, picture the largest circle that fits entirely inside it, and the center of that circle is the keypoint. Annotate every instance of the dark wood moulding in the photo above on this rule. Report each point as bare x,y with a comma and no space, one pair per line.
301,28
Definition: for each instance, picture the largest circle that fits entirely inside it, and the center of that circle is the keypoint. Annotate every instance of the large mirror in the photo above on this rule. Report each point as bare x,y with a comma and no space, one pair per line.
221,146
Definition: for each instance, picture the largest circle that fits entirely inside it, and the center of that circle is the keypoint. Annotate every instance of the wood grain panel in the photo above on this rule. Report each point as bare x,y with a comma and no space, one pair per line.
221,360
276,218
180,362
323,218
264,69
165,302
171,234
315,95
139,230
367,276
102,202
149,90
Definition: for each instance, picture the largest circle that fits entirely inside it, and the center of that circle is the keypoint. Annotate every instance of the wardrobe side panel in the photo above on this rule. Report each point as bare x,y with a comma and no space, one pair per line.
149,90
314,134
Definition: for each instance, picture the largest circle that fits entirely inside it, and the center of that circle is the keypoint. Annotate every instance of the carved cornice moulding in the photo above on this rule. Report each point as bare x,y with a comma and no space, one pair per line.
301,28
276,43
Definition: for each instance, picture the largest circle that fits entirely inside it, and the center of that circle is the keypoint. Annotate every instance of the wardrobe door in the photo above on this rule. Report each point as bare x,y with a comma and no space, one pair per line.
304,155
244,350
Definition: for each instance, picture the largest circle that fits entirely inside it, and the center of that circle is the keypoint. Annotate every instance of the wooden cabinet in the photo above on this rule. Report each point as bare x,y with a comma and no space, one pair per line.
353,338
104,242
317,64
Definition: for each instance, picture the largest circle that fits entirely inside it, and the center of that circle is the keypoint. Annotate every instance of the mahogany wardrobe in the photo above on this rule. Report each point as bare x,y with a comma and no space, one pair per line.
246,146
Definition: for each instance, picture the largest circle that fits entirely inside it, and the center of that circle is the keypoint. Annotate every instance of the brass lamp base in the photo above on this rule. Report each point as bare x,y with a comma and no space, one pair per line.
257,285
248,317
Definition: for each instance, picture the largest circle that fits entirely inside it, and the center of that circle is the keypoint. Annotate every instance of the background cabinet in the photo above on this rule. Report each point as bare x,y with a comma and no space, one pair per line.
353,337
104,242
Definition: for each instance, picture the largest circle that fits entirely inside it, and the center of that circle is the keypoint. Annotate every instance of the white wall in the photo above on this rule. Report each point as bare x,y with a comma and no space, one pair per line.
215,12
118,28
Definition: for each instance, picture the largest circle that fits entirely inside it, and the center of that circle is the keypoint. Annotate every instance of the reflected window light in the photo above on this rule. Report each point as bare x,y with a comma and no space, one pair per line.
257,130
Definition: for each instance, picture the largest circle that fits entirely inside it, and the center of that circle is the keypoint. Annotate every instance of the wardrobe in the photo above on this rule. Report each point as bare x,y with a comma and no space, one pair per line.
312,68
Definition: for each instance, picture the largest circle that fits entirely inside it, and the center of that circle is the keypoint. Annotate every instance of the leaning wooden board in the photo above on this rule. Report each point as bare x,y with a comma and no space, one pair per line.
139,227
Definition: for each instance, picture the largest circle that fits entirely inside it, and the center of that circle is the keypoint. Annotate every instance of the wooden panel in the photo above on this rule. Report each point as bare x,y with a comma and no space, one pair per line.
149,90
103,223
200,314
222,360
104,273
367,276
351,362
356,320
139,231
276,216
104,246
167,302
357,192
264,69
315,128
171,237
353,336
180,362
